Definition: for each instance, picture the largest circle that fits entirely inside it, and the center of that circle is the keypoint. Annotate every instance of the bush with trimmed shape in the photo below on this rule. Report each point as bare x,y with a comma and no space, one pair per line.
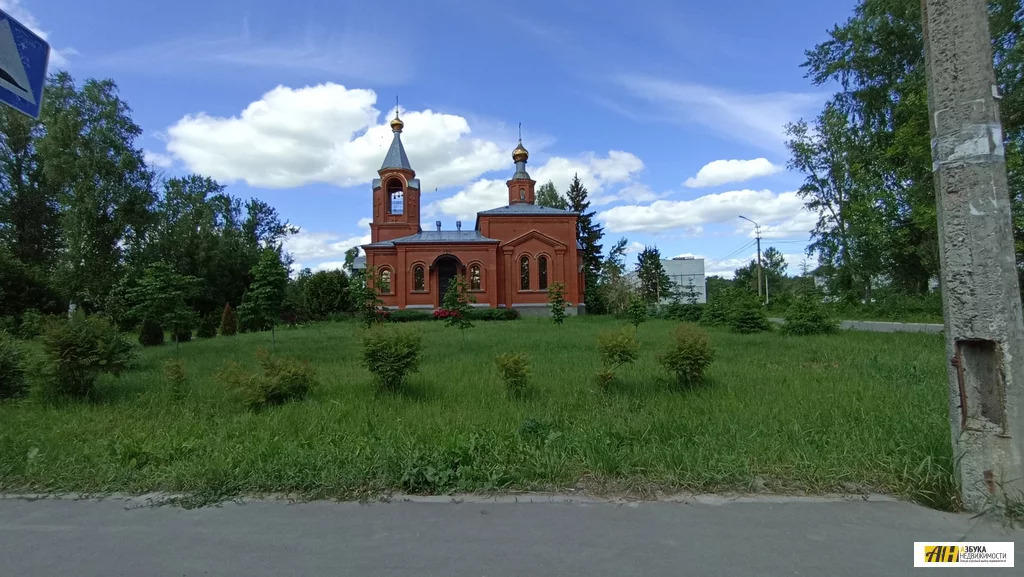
808,316
391,354
282,379
688,355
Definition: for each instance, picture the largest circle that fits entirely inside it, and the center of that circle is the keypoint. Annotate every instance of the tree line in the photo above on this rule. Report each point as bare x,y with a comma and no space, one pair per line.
86,224
867,155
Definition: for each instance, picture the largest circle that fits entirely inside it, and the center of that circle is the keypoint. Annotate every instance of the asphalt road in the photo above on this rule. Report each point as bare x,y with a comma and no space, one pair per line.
884,327
709,536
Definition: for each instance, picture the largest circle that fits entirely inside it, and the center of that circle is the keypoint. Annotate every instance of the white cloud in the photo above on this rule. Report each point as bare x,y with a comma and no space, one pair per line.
728,171
158,159
726,268
635,247
328,134
483,194
757,119
352,49
306,246
764,206
58,57
329,265
633,192
596,173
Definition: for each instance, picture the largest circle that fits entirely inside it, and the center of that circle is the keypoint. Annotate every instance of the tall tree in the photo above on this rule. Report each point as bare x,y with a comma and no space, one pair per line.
29,210
654,281
876,58
91,164
589,234
613,286
350,258
261,305
851,231
547,195
774,265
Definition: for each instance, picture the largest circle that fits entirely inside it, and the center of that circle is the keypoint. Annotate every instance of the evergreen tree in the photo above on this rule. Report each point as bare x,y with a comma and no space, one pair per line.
589,233
654,281
261,305
228,321
547,195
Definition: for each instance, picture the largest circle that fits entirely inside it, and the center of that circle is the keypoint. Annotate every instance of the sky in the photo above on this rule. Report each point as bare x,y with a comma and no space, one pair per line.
671,113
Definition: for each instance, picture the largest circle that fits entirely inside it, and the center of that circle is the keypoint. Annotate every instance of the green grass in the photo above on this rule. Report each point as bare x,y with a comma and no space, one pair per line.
795,413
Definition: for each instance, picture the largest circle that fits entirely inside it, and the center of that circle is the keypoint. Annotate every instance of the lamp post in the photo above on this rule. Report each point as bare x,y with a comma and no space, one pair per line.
760,273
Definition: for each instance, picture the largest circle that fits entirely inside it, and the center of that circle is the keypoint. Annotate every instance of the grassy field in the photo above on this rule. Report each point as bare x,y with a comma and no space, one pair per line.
779,413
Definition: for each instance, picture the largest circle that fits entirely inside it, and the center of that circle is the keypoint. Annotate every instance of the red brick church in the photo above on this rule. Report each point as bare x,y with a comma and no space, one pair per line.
508,258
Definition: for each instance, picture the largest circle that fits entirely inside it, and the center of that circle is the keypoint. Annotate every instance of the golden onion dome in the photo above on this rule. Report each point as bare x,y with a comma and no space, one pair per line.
520,154
397,124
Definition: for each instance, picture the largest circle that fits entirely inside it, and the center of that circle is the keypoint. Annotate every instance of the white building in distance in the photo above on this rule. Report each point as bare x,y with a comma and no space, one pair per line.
684,270
681,271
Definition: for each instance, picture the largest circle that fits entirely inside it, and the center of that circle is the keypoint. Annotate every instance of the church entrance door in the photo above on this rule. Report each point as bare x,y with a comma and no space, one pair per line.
447,267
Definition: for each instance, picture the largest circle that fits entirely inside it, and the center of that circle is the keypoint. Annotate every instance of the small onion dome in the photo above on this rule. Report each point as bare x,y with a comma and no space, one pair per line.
520,154
397,124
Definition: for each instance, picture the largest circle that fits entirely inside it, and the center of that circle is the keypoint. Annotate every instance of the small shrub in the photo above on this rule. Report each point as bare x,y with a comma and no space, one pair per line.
32,324
391,354
684,312
715,313
688,355
182,335
749,317
228,321
515,372
151,334
456,302
176,377
809,317
556,299
77,351
637,310
615,348
12,367
505,314
207,327
282,379
408,316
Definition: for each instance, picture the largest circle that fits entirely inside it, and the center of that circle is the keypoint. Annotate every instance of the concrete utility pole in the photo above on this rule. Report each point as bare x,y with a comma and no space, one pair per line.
981,296
760,273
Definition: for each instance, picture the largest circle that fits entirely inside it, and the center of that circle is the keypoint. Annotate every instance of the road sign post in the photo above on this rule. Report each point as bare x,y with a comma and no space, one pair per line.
24,56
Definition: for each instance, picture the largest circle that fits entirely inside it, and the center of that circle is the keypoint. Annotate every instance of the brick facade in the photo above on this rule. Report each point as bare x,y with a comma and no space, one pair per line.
508,259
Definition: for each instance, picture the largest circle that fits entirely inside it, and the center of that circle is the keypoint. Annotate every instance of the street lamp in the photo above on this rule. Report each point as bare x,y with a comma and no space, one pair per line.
760,273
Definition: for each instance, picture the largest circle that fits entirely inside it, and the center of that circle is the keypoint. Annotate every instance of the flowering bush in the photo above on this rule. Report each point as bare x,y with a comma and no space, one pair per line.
447,314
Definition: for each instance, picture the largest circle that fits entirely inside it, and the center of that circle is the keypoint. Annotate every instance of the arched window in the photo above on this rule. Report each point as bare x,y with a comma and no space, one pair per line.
474,277
522,194
396,202
418,278
524,273
385,281
542,272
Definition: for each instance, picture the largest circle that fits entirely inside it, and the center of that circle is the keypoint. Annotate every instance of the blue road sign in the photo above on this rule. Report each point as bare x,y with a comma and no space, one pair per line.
23,59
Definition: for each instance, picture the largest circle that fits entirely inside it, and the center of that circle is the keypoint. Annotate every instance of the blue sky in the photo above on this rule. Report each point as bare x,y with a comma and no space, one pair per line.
671,112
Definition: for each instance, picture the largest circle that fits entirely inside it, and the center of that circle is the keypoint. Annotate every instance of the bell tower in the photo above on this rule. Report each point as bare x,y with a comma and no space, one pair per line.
521,186
396,194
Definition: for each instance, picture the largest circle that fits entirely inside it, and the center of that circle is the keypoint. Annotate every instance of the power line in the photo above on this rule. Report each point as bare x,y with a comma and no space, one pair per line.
737,251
